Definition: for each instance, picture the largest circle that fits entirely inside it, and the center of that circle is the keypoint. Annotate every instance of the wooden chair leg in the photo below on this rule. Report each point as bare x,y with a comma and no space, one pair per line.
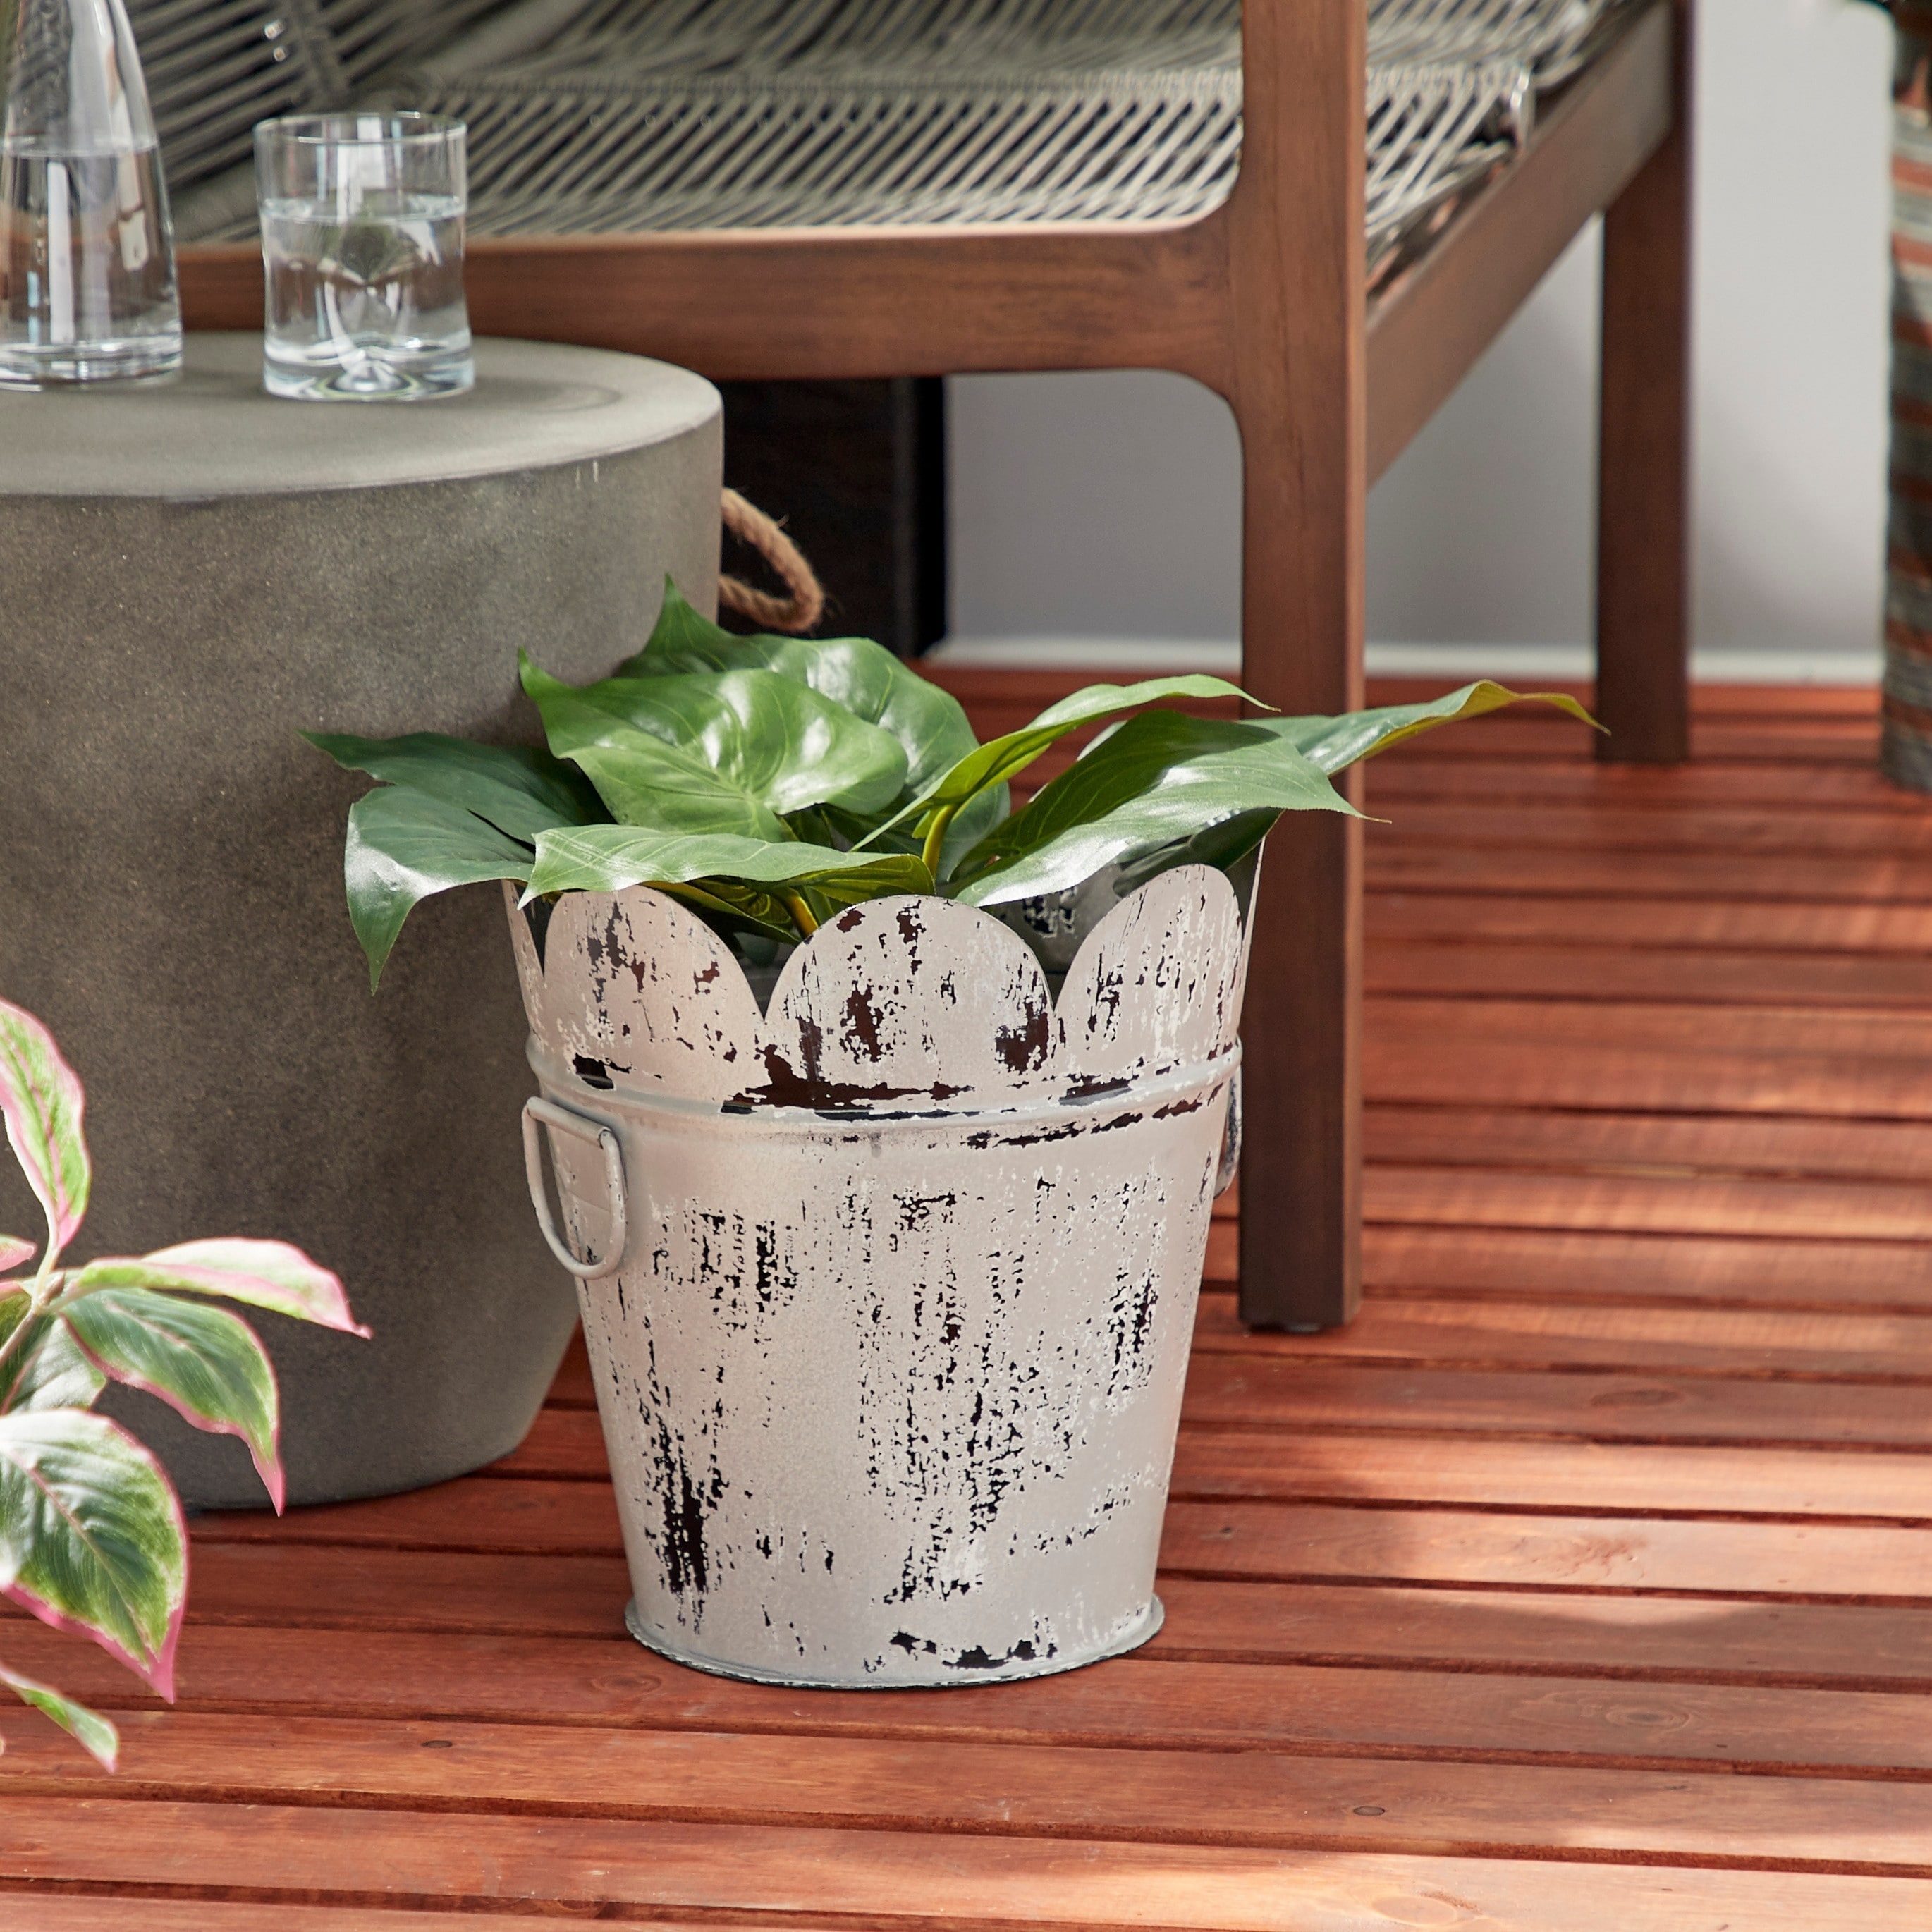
1301,1148
1643,612
1301,1143
1298,338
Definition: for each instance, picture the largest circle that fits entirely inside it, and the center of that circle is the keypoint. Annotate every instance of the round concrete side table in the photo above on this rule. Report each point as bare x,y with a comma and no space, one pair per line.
188,577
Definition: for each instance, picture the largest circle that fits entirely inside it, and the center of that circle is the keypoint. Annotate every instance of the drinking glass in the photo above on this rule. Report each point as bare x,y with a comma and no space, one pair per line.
87,264
362,217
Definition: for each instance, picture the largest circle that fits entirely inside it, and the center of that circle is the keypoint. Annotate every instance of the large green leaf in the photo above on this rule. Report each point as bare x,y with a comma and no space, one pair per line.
41,1100
91,1537
1223,845
607,858
729,752
1162,777
520,792
1004,758
865,677
263,1274
203,1362
44,1367
1335,743
99,1738
404,845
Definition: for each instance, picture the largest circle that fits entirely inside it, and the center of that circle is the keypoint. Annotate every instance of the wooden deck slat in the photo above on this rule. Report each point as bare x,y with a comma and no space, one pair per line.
1491,779
1211,1711
567,1445
1300,1791
1470,1197
1613,1479
79,1912
1238,1538
1731,1342
1733,930
1675,1144
584,1670
1537,1265
1853,879
1585,1582
1655,1059
1607,828
1861,1042
1678,976
888,1875
1280,1541
1609,1407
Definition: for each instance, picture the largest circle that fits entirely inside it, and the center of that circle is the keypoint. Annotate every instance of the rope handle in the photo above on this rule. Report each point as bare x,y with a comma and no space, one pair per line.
794,614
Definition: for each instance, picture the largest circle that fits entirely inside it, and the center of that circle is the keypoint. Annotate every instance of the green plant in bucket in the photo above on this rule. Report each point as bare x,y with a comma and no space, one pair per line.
770,782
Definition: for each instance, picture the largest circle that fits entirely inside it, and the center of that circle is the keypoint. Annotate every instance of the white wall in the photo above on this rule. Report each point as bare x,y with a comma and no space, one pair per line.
1107,505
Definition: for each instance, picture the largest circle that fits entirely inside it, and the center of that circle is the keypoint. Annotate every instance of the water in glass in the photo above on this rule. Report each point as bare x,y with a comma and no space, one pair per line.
87,269
369,305
87,278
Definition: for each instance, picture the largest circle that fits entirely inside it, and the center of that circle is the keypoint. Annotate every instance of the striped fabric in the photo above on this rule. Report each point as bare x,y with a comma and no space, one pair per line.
1906,746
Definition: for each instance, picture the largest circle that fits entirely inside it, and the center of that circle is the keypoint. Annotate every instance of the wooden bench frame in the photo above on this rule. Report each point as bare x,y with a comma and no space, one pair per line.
1263,300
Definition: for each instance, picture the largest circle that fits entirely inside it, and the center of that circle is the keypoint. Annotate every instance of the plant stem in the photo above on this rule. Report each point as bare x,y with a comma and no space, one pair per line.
935,838
801,914
42,1296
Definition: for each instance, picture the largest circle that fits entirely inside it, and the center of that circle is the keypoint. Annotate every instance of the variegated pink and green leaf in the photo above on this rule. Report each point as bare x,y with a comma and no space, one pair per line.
44,1367
202,1361
91,1537
40,1101
263,1274
94,1732
13,1251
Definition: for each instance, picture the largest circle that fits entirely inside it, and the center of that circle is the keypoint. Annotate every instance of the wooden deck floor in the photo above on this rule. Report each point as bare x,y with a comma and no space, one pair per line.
1585,1584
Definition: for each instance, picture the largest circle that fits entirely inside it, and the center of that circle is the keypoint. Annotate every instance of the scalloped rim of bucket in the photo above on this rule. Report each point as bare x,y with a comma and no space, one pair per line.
1144,1628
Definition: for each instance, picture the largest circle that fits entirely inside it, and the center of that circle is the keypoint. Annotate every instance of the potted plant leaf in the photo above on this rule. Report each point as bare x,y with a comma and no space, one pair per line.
885,1121
91,1535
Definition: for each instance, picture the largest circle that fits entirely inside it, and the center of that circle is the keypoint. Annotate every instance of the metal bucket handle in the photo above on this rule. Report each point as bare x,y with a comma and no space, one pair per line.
585,1127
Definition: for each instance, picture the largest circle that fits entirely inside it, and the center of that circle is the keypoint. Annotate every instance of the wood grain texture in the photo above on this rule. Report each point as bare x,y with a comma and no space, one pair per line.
857,301
1545,1266
578,1675
577,1520
1256,1388
1677,1146
1609,1478
568,1446
1300,395
1852,879
1309,1787
1741,934
1609,826
875,1875
1685,977
1752,1344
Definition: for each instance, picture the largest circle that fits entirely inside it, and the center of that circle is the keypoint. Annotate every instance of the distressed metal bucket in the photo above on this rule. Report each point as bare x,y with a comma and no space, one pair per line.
888,1288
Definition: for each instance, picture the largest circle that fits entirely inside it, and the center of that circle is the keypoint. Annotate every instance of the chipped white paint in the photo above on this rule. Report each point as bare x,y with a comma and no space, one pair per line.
891,1365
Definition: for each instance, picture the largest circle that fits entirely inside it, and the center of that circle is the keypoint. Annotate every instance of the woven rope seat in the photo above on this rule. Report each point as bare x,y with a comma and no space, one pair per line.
606,116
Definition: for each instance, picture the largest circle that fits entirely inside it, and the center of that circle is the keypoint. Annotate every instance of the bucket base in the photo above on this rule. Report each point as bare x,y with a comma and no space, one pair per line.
1139,1633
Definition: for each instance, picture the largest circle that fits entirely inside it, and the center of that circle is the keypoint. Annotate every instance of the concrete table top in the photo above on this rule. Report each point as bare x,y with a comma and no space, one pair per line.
535,403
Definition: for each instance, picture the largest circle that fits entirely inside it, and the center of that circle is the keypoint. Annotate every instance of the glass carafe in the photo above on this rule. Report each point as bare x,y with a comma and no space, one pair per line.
87,262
